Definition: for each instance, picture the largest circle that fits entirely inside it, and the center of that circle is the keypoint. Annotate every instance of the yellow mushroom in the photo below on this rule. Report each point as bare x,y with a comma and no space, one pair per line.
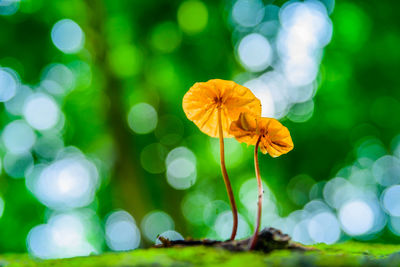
213,106
272,138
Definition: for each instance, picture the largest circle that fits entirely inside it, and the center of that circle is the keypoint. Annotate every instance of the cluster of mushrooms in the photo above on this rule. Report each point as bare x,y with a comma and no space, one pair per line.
223,108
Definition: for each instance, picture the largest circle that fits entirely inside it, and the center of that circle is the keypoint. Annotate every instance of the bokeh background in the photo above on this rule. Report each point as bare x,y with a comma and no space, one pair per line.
97,154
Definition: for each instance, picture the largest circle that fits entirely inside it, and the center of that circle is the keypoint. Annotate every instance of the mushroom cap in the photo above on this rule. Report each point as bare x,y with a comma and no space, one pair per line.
203,99
275,138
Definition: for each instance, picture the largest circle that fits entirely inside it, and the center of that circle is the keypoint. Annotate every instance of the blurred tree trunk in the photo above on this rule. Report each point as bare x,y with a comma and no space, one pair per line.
129,191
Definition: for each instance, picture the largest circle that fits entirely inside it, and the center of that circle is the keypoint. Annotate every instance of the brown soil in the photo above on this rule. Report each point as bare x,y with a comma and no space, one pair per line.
268,240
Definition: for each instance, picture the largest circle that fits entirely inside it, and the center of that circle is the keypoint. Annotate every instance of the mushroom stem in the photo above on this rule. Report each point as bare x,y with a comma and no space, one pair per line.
260,196
226,178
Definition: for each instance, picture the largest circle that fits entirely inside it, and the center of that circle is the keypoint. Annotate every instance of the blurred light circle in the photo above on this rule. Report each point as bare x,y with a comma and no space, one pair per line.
223,226
163,69
1,207
269,28
18,137
121,232
292,221
324,228
301,112
337,191
386,170
316,206
60,74
181,173
248,195
261,91
316,191
269,217
308,20
248,13
8,84
68,230
329,4
166,37
156,223
58,127
366,163
67,36
52,87
69,182
192,16
394,225
64,236
41,111
212,210
38,242
301,72
47,146
271,13
125,60
301,94
16,104
362,178
306,29
180,152
181,168
152,158
255,52
278,87
17,165
170,236
391,200
356,217
82,72
233,151
9,7
142,118
193,206
301,233
395,146
371,148
119,215
32,175
345,171
380,218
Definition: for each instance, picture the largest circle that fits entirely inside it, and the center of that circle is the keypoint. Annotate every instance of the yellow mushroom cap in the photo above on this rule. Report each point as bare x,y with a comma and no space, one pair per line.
275,138
203,99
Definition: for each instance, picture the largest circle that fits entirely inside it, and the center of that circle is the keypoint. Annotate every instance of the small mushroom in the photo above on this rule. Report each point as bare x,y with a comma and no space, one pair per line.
212,106
271,137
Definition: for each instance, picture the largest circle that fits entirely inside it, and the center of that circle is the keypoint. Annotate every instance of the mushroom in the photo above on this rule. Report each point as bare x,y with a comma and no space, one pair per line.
212,106
271,137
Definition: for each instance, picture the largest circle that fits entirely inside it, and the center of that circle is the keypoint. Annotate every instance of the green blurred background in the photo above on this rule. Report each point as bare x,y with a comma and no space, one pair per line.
97,154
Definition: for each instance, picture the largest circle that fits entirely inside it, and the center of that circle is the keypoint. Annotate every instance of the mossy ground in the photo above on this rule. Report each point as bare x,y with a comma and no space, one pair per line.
346,254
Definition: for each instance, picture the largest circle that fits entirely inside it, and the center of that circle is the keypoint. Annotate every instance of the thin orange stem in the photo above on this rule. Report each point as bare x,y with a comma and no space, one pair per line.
226,178
260,196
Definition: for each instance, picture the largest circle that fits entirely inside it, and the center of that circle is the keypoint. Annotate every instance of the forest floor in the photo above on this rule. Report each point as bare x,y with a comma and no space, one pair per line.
345,254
